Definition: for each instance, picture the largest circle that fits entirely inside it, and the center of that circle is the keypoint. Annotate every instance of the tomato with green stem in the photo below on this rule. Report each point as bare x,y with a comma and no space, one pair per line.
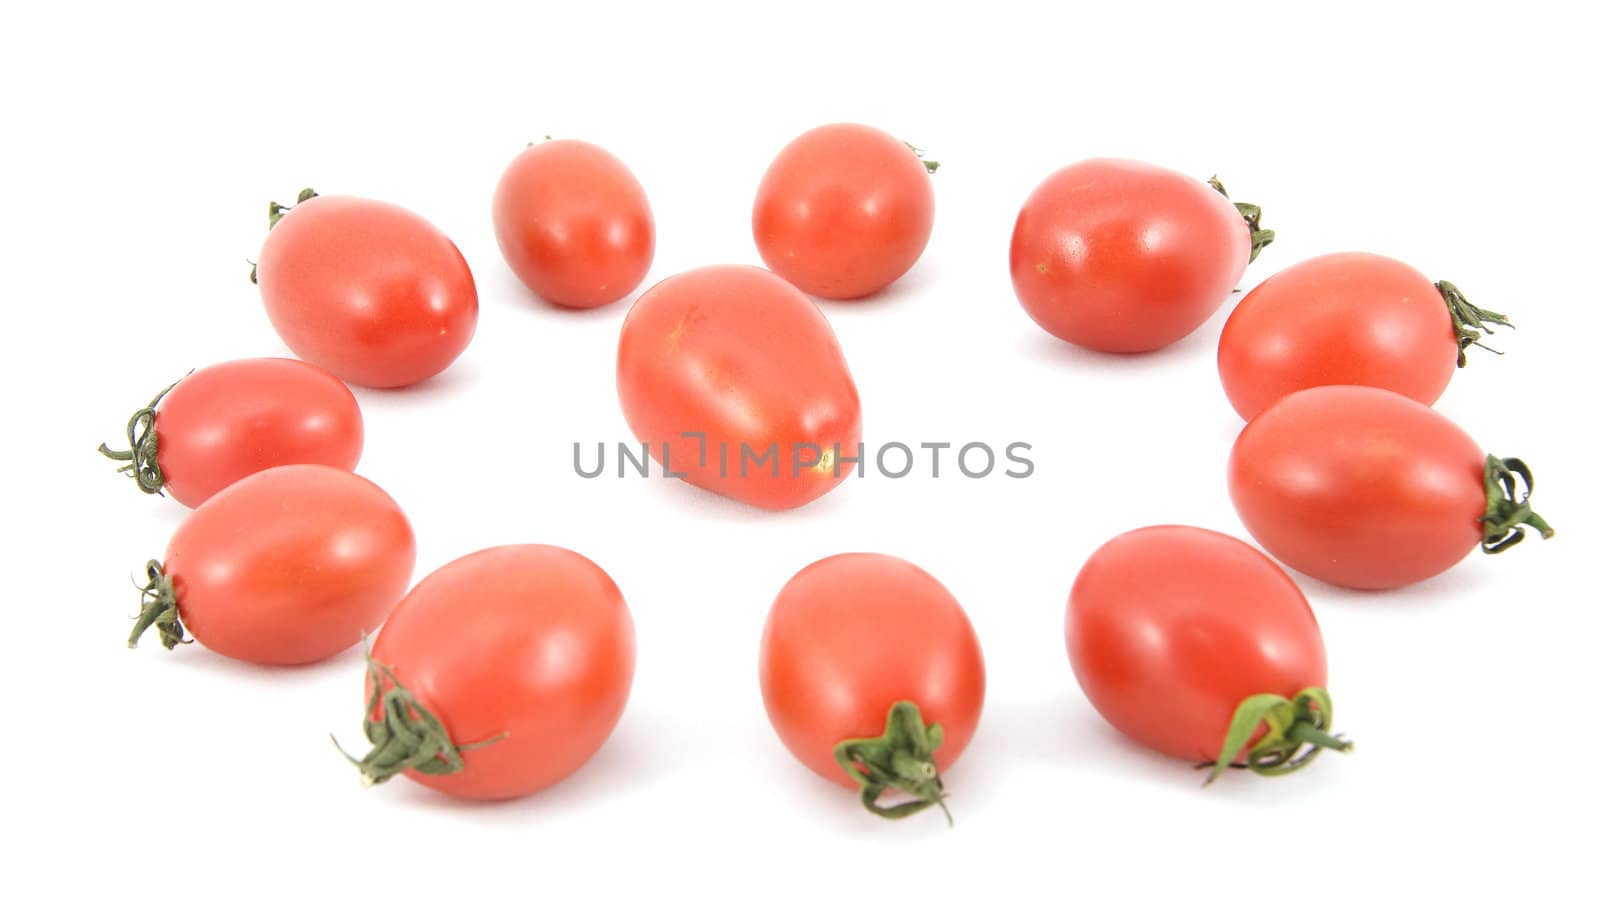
500,674
574,224
1125,257
1366,488
369,291
873,678
290,565
230,420
1197,645
844,211
1348,319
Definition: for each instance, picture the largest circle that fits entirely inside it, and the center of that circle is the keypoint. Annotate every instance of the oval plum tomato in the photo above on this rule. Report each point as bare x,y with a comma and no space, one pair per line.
1191,642
1124,257
872,677
1365,488
1347,319
738,354
844,210
574,224
288,566
233,419
499,674
366,290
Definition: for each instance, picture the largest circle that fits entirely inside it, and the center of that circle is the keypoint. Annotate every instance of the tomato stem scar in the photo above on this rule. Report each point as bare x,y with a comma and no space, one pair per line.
1291,725
901,759
404,734
1259,236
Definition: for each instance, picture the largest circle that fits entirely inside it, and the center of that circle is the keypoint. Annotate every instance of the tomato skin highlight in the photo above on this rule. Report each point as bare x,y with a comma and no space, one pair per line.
1339,319
369,291
1125,257
290,565
843,211
741,355
852,634
230,420
574,224
1358,486
531,643
1169,628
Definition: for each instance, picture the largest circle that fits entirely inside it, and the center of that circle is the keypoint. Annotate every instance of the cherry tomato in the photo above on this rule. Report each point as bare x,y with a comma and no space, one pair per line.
366,290
290,565
574,224
499,674
1347,319
1366,488
233,419
872,677
1123,256
843,211
739,355
1188,641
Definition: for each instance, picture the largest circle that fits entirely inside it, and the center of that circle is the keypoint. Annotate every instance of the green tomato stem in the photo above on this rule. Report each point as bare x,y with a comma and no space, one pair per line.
141,455
1505,511
1471,323
1292,726
901,759
1259,236
158,606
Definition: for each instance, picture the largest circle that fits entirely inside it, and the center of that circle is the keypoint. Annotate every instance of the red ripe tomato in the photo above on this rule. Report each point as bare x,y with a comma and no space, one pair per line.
288,566
872,677
499,674
366,290
1365,488
843,211
574,224
233,419
1188,641
739,355
1123,256
1347,319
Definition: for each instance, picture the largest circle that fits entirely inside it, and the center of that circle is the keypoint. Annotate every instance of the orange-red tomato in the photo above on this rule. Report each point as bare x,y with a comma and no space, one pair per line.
288,566
1366,488
1123,256
522,654
574,224
232,419
738,354
366,290
843,211
852,635
1339,319
1171,628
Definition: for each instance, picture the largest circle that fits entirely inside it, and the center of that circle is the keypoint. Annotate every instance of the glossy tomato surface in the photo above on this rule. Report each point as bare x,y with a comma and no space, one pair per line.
1339,319
852,634
1358,486
843,211
290,565
738,354
532,644
230,420
574,224
1122,256
368,291
1169,628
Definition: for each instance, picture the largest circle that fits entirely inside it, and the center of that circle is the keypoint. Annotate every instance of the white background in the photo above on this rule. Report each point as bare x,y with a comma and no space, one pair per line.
145,144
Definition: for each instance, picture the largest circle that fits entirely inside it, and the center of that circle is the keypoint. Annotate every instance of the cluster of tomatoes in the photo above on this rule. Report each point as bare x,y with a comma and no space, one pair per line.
504,671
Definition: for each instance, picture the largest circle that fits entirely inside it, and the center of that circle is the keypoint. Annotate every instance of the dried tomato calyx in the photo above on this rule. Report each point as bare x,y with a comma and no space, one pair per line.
1297,731
142,451
1251,213
158,607
1505,511
1471,323
901,759
404,734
